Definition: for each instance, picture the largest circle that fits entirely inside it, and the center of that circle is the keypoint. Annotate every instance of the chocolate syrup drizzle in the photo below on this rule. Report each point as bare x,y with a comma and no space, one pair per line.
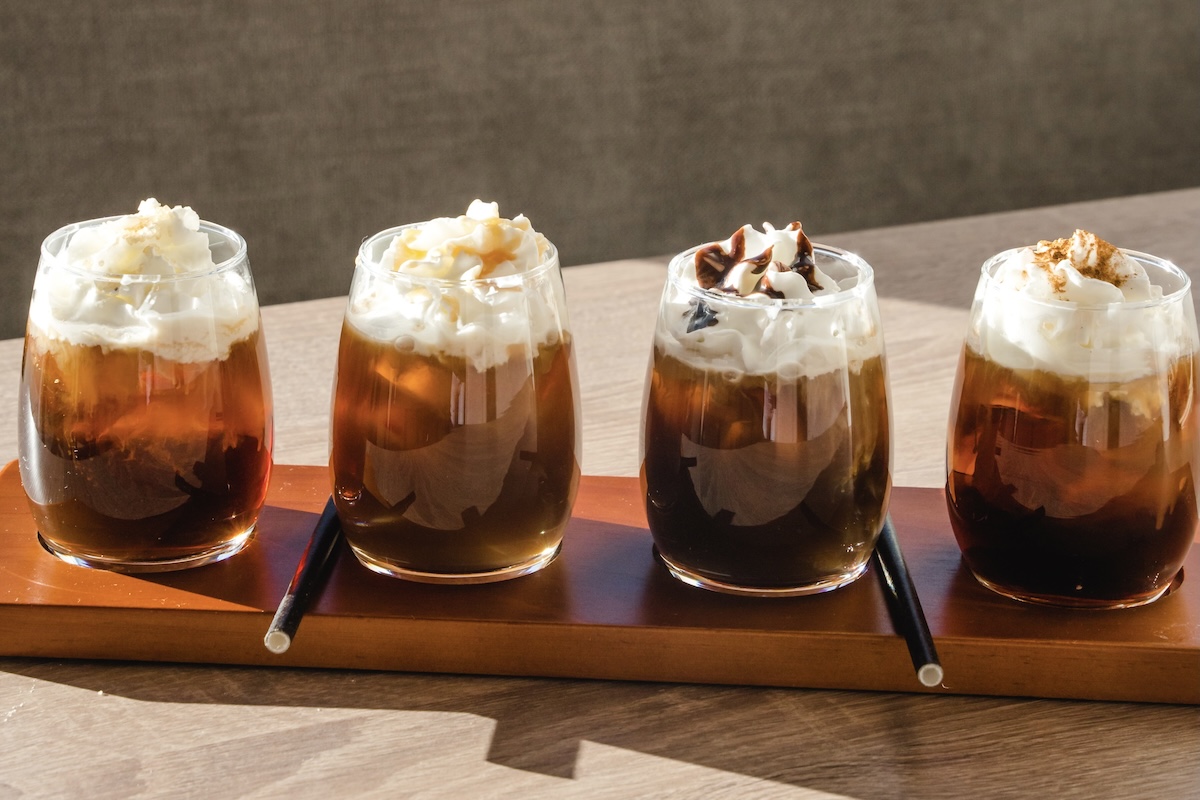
701,316
713,263
804,263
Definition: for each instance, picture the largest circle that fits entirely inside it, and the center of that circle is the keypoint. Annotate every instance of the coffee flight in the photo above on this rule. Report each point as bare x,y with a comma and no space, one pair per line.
146,424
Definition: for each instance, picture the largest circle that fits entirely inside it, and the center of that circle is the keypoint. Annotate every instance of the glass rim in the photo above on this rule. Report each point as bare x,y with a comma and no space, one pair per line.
67,231
988,280
866,281
363,261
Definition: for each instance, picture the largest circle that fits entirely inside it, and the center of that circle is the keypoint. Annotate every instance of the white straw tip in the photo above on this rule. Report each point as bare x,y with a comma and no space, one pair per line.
277,642
929,675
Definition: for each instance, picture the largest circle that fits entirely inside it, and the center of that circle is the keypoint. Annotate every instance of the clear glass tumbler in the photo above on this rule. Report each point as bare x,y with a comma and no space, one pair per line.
145,420
455,431
766,442
1072,447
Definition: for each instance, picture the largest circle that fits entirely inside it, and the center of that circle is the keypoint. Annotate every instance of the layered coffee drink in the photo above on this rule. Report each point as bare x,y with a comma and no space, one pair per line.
455,435
1073,434
765,441
145,419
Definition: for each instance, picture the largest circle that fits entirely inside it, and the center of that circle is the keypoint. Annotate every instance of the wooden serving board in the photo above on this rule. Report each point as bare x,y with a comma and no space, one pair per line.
604,609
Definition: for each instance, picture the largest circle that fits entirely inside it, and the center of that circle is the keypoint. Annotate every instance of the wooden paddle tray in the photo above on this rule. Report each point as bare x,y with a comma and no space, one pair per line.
604,609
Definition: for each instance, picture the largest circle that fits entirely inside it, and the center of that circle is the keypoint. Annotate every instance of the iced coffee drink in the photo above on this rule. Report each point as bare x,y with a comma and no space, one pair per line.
1071,467
145,419
765,440
455,452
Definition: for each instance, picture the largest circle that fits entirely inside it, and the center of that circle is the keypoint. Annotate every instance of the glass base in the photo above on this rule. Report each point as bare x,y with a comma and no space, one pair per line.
1082,603
704,582
404,573
199,559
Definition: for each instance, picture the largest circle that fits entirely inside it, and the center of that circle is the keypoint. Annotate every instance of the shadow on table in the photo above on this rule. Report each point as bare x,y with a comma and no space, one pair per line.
868,745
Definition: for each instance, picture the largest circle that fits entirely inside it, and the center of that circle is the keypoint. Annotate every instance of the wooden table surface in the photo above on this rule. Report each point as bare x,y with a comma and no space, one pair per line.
94,729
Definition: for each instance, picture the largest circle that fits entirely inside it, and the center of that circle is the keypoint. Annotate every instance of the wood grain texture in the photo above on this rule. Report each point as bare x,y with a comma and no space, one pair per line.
603,609
102,729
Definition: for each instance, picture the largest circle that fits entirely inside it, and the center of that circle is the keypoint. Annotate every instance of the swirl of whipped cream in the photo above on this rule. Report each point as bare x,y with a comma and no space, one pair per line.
145,281
1082,307
770,302
476,286
776,264
1083,269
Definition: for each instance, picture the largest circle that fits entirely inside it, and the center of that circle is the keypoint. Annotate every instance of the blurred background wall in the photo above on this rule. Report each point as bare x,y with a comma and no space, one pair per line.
620,127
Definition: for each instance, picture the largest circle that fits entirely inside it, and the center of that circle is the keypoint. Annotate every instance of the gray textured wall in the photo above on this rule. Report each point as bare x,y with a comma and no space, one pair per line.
621,127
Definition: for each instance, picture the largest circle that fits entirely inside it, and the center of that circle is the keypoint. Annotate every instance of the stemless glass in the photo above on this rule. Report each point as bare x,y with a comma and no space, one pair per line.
145,427
765,440
455,431
1072,445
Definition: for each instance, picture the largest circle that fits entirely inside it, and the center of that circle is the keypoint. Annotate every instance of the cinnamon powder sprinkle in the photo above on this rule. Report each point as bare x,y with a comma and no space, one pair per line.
1047,254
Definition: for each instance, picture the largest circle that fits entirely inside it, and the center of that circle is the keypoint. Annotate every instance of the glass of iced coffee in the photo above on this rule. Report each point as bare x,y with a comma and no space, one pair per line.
455,432
765,439
1072,449
145,404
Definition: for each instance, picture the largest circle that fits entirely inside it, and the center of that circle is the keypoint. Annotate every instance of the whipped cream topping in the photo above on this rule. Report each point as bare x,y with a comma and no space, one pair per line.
1083,269
478,244
476,286
144,281
1081,307
770,302
770,263
157,240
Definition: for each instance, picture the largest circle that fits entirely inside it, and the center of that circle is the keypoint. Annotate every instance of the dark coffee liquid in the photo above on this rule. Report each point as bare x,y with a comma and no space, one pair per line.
762,481
1073,492
439,468
134,458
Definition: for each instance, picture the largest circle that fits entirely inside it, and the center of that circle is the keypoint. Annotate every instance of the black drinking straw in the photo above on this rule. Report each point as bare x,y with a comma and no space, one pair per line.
905,607
310,573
